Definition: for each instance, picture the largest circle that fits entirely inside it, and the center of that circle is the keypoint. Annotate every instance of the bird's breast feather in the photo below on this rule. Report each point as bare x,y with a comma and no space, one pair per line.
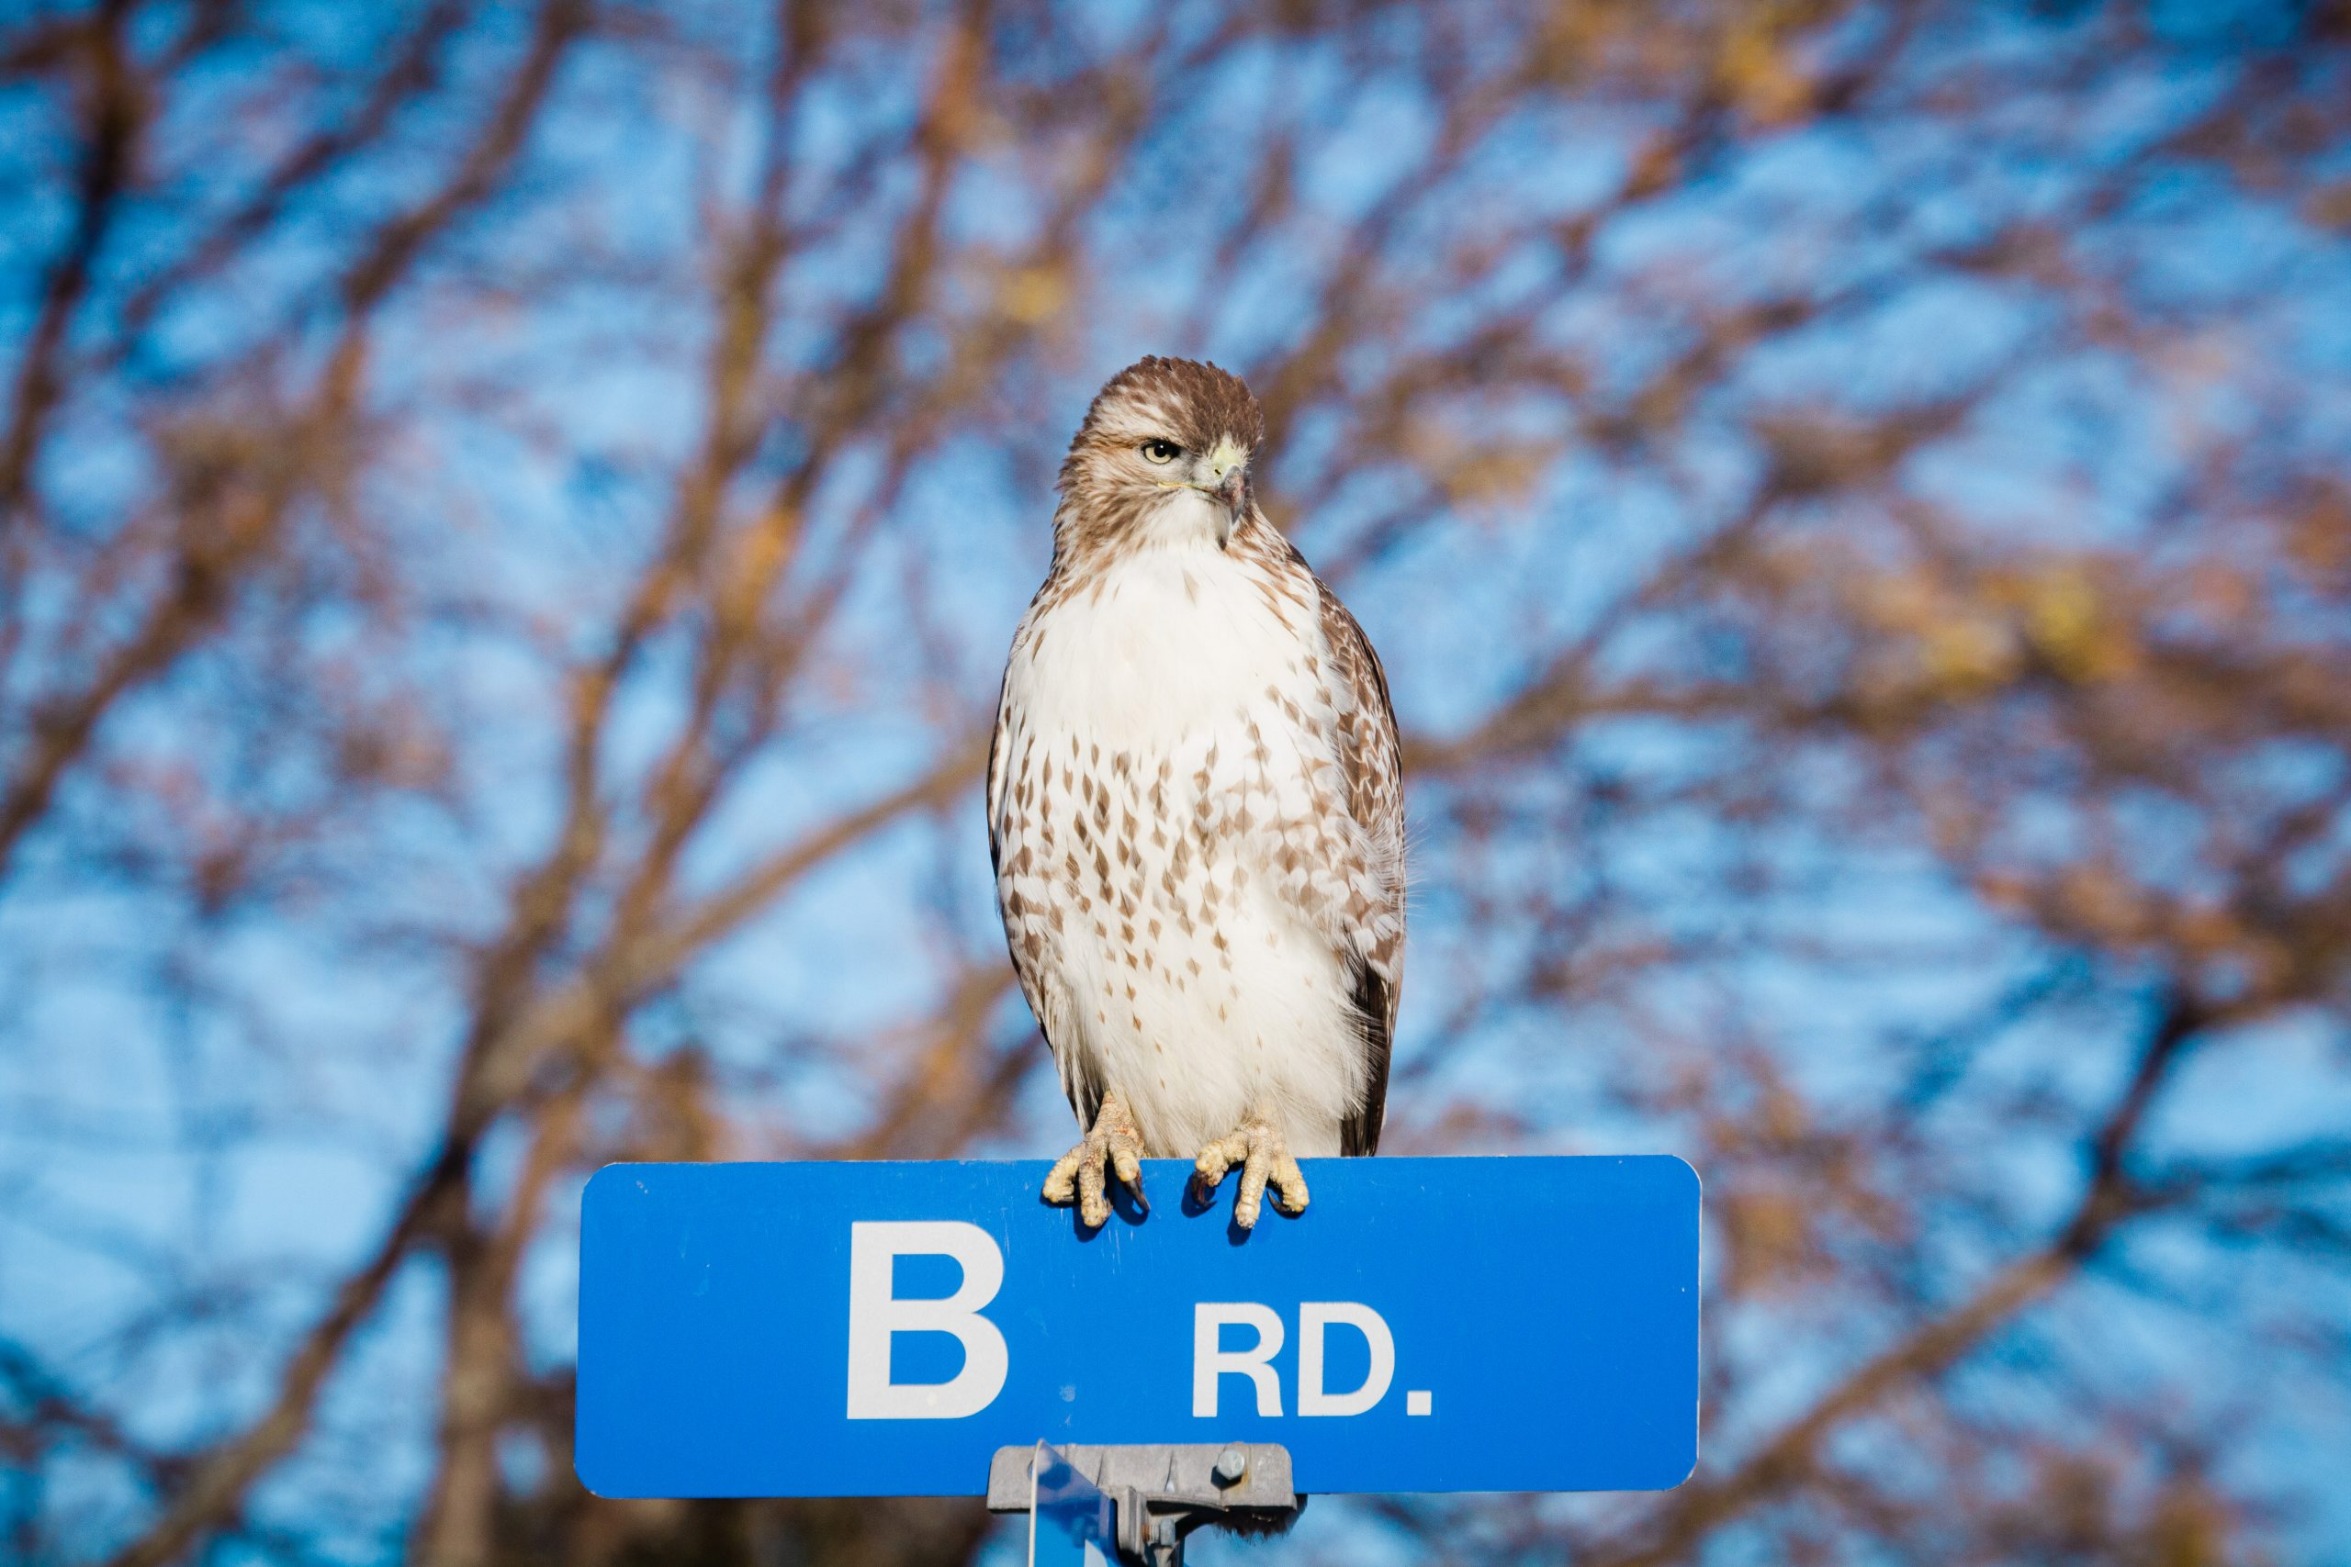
1166,644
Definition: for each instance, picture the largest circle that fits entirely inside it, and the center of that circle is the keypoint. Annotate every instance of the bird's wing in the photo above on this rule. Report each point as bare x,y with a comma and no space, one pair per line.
997,763
1373,766
1024,927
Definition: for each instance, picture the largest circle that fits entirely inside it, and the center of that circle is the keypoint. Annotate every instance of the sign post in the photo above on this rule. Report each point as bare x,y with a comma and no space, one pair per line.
1071,1523
1138,1503
879,1329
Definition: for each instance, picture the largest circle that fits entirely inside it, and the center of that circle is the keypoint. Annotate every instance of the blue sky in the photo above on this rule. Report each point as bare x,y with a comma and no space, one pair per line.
542,385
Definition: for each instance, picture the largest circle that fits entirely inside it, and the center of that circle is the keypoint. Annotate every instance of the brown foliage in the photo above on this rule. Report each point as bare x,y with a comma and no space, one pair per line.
508,525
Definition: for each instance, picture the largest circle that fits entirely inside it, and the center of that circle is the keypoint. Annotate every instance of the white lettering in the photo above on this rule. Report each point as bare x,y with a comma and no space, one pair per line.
1314,1317
1211,1360
875,1313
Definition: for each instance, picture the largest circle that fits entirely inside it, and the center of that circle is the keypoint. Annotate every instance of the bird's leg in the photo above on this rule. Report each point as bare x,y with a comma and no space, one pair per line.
1255,1145
1113,1147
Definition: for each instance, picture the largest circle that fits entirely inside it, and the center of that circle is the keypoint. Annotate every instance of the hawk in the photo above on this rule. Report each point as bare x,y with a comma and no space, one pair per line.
1196,814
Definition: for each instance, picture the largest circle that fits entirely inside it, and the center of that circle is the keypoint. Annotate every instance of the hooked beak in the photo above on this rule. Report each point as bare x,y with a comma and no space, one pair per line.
1226,479
1228,491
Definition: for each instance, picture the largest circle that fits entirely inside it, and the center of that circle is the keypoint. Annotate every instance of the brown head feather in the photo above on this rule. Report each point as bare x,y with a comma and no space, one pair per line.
1199,403
1104,485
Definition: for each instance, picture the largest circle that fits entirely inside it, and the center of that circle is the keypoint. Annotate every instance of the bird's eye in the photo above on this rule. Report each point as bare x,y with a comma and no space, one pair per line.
1161,451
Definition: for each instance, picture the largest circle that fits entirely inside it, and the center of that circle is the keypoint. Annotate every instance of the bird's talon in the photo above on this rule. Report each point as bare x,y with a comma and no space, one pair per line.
1257,1148
1289,1184
1114,1148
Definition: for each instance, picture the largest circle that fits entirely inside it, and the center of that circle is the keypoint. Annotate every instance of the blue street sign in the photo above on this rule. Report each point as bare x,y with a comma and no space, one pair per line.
878,1329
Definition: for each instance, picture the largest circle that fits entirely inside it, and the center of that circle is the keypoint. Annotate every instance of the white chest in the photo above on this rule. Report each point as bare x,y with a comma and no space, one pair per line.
1169,822
1167,645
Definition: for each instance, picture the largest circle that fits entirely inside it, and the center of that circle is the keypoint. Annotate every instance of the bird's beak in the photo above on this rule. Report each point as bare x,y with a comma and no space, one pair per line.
1228,488
1229,484
1228,492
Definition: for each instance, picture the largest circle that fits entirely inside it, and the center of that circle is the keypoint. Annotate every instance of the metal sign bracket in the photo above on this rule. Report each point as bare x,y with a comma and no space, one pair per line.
1163,1491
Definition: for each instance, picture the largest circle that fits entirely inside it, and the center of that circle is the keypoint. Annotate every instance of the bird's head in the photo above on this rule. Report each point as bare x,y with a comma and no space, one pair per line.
1163,454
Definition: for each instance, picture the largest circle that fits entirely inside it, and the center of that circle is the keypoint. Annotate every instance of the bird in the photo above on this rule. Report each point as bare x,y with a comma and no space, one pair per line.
1196,814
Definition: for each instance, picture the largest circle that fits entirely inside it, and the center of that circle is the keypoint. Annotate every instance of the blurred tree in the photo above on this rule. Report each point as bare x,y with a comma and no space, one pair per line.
509,521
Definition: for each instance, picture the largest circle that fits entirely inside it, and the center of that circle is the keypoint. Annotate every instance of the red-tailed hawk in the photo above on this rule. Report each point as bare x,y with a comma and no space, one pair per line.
1195,813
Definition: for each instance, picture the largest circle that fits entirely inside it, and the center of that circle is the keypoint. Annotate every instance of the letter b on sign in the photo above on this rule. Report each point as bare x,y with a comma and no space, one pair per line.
875,1313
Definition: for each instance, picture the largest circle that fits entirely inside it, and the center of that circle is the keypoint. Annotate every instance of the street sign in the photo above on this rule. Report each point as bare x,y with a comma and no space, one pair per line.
1522,1324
